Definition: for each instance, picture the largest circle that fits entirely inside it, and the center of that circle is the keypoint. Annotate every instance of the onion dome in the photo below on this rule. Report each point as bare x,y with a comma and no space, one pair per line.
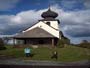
49,13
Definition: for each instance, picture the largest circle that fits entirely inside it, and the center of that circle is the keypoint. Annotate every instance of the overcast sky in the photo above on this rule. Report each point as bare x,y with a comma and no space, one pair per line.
74,15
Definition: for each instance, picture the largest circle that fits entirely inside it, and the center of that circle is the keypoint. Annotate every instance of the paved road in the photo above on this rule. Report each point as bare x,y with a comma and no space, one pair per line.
37,66
17,63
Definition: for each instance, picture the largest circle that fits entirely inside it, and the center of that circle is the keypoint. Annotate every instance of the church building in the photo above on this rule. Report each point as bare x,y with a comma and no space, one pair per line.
46,31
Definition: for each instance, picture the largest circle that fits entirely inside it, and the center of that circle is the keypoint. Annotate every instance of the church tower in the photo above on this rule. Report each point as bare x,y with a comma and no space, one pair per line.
49,19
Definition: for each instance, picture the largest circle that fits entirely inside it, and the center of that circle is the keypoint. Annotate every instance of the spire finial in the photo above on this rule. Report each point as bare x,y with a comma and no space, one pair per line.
49,5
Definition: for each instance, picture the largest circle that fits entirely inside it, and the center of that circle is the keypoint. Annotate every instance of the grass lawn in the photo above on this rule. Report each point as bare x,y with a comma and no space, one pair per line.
66,54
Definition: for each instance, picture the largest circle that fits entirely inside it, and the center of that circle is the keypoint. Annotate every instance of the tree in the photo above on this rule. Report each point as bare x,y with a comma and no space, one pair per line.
85,44
84,41
2,47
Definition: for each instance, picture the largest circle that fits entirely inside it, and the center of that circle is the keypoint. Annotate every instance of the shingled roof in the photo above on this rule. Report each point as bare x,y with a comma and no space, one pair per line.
35,33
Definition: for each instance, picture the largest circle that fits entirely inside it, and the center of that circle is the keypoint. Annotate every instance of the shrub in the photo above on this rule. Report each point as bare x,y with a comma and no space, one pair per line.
63,42
84,44
60,43
2,48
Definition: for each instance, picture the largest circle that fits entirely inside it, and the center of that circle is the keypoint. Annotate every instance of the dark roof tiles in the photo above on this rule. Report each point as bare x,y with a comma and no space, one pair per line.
35,33
49,13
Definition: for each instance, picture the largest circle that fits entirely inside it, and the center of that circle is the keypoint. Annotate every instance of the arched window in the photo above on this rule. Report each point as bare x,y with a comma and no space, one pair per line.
48,23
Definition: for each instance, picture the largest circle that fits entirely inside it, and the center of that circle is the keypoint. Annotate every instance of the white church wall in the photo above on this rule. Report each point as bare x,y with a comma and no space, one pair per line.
50,30
54,24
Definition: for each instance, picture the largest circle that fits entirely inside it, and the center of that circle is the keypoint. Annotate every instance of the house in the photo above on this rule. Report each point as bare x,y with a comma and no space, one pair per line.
46,31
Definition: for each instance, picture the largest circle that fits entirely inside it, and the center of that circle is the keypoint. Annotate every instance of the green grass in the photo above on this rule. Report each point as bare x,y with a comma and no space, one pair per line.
66,54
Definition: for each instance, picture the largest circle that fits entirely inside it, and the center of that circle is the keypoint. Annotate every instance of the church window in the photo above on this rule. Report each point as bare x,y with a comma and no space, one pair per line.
48,23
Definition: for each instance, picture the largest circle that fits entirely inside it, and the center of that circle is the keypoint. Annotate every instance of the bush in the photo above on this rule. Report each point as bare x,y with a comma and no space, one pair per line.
2,47
84,44
63,42
60,43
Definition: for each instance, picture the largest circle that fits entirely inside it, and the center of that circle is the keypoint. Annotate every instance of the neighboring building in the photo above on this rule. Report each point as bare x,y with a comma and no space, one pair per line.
8,39
46,31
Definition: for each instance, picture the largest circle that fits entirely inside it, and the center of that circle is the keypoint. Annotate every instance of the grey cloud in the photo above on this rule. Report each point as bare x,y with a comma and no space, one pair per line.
87,4
9,24
78,31
7,4
76,24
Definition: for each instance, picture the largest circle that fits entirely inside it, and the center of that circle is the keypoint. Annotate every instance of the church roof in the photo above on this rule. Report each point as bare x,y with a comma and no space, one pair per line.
49,13
35,33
